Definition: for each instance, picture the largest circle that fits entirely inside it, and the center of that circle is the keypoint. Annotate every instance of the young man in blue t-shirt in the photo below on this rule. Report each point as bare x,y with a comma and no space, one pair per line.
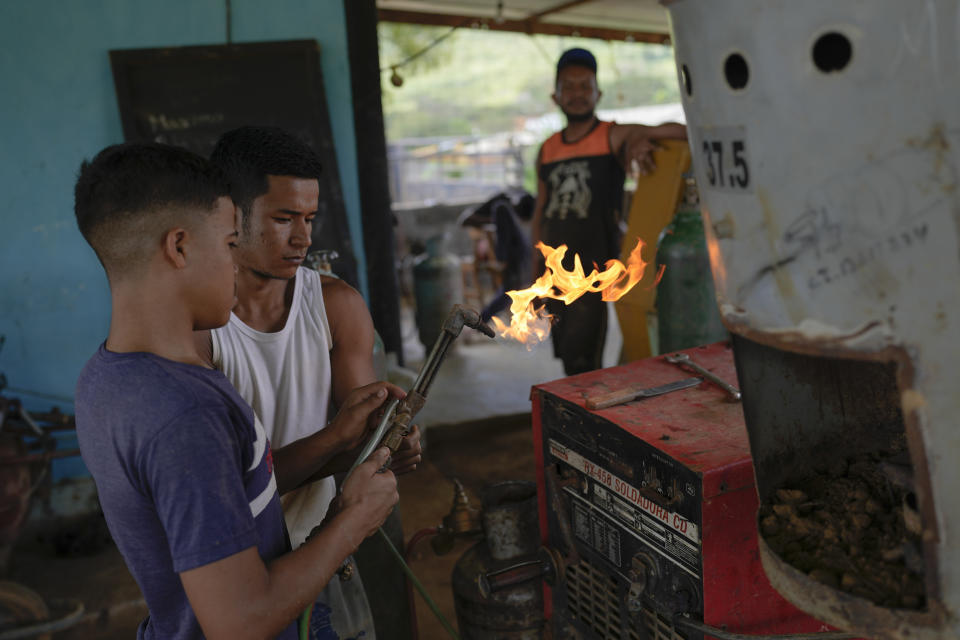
183,468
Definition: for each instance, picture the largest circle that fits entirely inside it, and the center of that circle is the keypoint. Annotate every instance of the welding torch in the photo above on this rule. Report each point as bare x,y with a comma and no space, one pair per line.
395,423
394,426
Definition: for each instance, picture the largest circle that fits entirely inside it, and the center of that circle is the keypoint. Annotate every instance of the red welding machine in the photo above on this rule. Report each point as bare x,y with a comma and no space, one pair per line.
648,508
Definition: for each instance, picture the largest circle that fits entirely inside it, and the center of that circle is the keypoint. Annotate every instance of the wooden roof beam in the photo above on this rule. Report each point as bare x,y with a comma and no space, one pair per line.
563,6
521,26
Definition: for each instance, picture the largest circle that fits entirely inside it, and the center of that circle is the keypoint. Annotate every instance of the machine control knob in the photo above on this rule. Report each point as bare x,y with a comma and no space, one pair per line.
686,595
635,597
643,577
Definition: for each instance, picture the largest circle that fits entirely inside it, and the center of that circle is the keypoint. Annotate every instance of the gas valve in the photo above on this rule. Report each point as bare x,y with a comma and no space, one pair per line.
463,520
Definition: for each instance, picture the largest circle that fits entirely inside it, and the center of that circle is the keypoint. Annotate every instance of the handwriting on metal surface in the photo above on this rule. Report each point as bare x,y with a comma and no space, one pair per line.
867,215
849,263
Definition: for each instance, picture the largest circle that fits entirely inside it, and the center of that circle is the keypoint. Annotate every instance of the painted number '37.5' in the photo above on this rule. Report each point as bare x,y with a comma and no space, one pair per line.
726,163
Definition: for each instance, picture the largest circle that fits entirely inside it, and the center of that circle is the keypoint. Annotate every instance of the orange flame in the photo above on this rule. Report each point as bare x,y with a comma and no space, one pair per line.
532,325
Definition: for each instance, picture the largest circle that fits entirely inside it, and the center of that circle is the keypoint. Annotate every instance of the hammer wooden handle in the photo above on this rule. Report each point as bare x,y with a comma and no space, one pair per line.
604,400
634,392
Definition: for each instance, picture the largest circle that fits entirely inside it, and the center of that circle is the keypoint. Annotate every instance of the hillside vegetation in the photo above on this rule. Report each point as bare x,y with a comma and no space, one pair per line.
478,82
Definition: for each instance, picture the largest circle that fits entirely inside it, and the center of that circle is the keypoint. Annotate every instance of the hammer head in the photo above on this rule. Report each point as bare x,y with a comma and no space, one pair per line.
461,316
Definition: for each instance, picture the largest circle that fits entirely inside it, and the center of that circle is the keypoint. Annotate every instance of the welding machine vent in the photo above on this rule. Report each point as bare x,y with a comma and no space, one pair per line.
592,597
658,627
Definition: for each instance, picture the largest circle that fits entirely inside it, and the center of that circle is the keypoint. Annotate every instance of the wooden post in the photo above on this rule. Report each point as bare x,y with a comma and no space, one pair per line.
376,215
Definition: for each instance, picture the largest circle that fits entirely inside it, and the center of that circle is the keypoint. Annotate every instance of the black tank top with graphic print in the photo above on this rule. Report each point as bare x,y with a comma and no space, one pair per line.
584,194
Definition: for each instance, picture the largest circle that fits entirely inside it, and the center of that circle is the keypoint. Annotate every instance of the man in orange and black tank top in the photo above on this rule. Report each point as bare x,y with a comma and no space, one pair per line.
581,171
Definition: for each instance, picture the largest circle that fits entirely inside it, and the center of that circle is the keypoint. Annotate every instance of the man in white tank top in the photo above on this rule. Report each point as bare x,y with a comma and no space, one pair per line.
297,341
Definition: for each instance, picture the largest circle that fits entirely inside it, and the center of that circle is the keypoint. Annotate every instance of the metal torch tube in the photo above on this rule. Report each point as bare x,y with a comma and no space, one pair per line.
375,439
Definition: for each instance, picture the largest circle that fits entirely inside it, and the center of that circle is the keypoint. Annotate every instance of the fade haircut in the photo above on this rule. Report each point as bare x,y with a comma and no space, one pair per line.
130,194
249,154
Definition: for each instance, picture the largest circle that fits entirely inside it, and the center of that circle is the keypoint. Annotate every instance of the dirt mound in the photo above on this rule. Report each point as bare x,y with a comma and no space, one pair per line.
853,526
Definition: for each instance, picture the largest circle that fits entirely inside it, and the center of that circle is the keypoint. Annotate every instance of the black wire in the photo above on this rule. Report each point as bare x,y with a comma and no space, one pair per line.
690,623
417,54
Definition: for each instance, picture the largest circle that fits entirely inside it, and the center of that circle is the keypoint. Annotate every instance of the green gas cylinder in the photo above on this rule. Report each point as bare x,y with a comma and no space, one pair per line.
687,314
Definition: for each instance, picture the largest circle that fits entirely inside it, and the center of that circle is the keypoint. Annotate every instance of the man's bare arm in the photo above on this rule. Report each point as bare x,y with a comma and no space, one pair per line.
325,452
351,363
314,457
634,144
351,327
241,597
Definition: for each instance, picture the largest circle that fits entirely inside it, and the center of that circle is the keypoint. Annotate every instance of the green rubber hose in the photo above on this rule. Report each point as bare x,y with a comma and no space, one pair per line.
305,616
416,583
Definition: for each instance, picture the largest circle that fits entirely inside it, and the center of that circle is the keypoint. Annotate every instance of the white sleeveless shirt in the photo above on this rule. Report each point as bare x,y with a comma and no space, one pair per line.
286,378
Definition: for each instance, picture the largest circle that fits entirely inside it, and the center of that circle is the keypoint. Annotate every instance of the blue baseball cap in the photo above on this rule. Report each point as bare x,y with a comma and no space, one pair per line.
577,57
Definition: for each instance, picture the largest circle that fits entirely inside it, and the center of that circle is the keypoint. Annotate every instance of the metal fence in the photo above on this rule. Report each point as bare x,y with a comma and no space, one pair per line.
439,170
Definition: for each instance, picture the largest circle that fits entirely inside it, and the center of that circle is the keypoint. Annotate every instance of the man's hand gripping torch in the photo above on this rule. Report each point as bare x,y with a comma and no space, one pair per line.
395,424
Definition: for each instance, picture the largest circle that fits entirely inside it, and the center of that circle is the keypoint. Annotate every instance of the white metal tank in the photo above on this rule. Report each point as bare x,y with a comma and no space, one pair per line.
826,143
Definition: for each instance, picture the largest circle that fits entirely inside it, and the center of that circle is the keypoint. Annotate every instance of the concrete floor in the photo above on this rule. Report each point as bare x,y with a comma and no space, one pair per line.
483,378
477,429
111,598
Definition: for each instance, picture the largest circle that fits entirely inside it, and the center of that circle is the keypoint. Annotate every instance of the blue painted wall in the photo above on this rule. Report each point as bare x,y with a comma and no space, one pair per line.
57,107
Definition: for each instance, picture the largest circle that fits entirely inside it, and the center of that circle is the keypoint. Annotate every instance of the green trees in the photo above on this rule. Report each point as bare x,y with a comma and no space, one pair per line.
477,82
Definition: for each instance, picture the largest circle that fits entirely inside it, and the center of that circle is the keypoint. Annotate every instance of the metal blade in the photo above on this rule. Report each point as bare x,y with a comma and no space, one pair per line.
667,388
